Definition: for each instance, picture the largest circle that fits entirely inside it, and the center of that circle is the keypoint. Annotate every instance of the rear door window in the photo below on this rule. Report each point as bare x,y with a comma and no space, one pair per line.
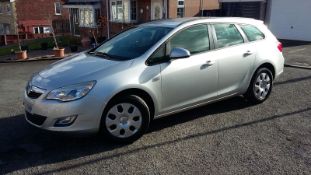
227,35
252,32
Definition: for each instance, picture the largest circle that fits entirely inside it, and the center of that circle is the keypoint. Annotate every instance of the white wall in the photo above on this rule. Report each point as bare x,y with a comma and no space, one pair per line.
290,19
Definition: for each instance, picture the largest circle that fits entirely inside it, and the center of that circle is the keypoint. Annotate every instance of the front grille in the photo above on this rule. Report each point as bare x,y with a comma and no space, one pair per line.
35,119
34,95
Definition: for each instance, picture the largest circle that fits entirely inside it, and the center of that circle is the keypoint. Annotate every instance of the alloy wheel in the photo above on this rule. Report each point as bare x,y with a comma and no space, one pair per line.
262,86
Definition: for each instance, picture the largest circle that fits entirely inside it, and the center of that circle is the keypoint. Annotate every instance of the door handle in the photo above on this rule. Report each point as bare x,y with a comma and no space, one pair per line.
247,53
209,63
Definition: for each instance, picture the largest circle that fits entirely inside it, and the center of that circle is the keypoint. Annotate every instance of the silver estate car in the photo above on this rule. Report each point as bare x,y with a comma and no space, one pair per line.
154,70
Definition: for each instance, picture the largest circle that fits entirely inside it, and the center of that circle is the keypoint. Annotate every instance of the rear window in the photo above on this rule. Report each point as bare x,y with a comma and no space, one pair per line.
252,32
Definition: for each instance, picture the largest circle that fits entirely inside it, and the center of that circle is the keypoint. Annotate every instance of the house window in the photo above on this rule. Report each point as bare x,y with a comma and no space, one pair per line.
116,10
2,9
87,17
113,11
4,29
5,8
133,10
58,8
120,13
123,11
8,8
37,30
180,8
42,30
47,30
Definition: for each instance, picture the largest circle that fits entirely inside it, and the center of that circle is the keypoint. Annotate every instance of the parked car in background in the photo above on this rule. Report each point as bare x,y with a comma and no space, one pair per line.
154,70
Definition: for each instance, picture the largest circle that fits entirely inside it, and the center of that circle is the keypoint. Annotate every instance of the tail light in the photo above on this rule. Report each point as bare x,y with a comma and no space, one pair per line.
280,47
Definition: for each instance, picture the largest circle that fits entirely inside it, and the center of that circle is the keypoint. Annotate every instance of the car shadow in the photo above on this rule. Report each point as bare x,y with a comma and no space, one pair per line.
236,103
23,146
21,142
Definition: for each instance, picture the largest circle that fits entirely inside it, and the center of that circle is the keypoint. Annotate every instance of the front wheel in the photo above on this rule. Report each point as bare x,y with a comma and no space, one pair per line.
126,119
260,86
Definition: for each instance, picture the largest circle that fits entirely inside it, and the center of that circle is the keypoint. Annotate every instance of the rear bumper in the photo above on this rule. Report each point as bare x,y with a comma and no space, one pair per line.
278,74
279,66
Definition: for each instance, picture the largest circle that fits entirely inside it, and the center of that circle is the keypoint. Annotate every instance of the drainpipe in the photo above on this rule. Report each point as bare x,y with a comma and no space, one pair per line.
123,16
201,4
108,24
5,41
69,10
165,9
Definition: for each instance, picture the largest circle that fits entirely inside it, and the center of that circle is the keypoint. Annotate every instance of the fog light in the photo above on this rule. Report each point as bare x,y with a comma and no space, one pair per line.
65,121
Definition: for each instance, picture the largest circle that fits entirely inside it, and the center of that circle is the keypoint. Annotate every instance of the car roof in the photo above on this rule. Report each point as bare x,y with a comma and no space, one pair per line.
173,23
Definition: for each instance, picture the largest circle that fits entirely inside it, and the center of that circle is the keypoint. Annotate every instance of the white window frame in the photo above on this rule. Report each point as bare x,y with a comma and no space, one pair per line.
60,8
126,14
34,30
181,7
5,8
3,27
46,29
87,17
130,10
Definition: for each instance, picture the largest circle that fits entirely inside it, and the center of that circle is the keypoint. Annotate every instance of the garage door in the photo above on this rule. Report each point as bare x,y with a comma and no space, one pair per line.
241,9
289,19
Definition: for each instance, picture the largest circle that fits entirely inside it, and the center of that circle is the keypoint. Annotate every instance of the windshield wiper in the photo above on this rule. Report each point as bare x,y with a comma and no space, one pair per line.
101,54
107,56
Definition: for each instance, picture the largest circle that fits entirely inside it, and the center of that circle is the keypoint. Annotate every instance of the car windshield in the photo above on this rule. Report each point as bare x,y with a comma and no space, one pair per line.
132,43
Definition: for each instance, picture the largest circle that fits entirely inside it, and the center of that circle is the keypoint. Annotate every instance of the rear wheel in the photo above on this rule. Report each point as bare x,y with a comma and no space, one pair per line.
126,119
261,86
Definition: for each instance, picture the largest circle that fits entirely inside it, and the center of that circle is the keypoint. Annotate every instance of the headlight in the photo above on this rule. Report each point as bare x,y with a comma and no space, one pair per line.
70,93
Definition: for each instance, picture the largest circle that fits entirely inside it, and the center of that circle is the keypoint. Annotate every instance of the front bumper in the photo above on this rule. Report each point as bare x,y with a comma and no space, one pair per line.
44,113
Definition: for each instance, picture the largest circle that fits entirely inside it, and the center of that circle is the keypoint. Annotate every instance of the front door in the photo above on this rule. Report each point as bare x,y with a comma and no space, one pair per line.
156,9
74,21
192,80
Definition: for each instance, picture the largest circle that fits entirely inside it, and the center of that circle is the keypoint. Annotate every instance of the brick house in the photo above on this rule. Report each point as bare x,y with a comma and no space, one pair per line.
33,18
108,17
7,19
125,13
84,16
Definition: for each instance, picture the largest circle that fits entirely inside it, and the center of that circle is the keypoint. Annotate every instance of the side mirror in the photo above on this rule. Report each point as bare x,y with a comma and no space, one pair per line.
178,53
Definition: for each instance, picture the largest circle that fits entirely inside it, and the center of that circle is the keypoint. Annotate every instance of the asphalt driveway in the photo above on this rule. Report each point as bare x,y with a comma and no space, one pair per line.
297,53
229,137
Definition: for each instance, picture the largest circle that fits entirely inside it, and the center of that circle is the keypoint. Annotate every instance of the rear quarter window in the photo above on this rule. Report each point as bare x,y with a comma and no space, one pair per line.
252,32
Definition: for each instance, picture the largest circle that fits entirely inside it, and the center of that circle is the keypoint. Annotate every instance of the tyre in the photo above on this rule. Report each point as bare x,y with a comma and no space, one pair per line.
125,119
260,87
